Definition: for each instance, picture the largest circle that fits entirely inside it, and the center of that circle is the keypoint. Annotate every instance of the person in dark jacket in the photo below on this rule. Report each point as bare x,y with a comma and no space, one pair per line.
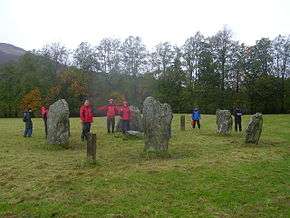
111,112
238,119
28,123
44,112
86,115
195,118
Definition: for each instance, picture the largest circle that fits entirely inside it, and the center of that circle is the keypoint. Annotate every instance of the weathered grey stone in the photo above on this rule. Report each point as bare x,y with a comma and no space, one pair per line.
254,129
157,119
58,127
118,127
224,122
135,134
136,121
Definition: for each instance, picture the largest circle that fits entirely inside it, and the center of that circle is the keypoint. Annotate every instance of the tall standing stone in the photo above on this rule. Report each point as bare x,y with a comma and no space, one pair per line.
254,129
224,122
157,119
58,127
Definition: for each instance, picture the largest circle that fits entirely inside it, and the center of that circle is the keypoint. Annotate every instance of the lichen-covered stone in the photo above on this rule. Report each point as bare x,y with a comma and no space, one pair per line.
58,127
254,129
224,122
157,119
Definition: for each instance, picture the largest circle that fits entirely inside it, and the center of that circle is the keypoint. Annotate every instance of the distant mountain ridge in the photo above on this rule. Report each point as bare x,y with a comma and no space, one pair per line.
10,53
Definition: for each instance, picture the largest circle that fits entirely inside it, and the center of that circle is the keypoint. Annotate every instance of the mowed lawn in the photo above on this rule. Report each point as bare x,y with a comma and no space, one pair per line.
206,175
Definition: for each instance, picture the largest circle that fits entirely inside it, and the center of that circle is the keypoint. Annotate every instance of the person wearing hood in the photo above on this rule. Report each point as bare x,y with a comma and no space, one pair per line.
238,119
195,118
27,115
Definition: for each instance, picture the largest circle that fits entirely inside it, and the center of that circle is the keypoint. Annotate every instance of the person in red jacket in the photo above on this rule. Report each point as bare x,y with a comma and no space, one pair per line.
44,112
125,117
111,112
86,115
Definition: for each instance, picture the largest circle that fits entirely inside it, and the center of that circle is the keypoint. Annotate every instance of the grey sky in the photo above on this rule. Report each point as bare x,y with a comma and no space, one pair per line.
33,23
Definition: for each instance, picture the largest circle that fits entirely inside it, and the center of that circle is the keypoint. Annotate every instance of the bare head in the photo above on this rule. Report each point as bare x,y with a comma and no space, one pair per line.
125,103
111,101
87,103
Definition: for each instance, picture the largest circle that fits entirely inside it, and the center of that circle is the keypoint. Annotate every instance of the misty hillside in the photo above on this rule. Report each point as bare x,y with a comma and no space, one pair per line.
9,53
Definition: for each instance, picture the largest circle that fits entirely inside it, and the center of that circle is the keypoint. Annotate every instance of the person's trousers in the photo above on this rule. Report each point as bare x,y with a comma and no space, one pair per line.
194,122
45,126
238,124
86,130
28,129
110,124
125,126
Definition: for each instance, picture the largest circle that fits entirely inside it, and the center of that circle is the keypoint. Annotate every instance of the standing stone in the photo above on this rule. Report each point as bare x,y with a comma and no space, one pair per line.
136,122
58,127
254,129
224,122
182,122
157,119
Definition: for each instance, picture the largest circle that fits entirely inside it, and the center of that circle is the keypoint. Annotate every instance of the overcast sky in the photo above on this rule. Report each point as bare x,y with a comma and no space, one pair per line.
33,23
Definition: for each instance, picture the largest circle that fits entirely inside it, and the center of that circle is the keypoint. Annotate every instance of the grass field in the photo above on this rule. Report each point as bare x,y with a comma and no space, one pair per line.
206,175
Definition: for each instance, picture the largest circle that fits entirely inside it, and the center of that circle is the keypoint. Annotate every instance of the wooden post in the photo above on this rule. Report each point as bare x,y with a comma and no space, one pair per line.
91,147
182,122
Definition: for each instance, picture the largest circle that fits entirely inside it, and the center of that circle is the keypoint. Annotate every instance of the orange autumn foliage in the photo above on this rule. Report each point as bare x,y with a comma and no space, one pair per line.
31,100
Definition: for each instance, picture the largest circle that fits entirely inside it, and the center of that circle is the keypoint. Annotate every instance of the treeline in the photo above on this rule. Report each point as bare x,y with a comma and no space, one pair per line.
206,72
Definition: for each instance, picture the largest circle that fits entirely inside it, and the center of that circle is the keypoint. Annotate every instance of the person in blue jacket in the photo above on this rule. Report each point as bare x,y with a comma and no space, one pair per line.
195,118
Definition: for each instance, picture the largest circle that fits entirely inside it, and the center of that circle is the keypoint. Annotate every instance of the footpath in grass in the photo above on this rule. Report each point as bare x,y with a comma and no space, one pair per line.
206,175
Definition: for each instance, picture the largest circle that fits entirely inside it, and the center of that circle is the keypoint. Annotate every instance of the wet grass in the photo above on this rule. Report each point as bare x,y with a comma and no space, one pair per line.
204,175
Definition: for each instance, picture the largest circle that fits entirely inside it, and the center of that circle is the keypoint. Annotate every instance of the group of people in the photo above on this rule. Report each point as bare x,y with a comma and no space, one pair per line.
112,110
86,115
237,113
28,121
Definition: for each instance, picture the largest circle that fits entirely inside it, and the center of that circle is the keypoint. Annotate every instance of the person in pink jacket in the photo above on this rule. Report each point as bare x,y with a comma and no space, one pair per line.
44,113
111,112
125,117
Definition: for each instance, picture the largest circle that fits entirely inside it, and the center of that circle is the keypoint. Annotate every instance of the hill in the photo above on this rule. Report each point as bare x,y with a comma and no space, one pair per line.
10,53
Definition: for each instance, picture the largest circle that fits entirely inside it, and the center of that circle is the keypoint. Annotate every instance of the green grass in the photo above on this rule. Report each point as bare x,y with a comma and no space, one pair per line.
206,175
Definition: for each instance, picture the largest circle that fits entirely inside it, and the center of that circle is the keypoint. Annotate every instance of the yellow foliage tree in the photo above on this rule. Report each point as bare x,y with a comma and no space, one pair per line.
31,100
